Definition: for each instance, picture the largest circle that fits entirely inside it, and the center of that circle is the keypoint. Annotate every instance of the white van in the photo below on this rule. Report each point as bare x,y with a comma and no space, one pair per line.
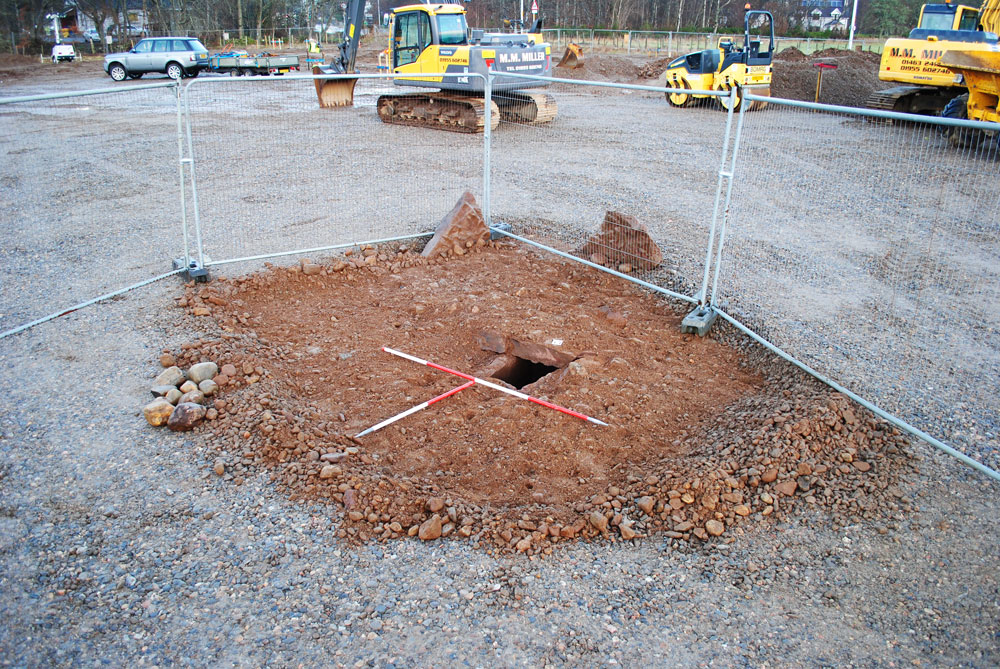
62,52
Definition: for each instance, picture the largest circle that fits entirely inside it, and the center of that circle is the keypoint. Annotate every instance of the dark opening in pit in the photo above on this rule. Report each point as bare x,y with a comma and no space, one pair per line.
520,372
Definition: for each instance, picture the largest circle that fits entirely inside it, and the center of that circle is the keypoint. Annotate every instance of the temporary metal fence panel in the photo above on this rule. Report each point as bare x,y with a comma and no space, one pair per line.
275,174
90,194
613,149
869,249
664,43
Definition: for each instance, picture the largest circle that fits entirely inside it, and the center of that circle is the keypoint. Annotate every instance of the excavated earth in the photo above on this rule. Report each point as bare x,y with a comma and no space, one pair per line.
850,84
700,437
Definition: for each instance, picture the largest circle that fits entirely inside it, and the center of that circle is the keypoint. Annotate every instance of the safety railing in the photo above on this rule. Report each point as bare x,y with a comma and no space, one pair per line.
279,176
91,197
864,246
672,43
860,245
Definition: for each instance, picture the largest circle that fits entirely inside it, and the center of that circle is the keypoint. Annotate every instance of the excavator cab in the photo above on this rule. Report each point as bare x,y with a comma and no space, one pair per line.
410,36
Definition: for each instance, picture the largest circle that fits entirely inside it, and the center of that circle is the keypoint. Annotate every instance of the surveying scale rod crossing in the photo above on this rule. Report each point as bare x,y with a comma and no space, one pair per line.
494,386
422,405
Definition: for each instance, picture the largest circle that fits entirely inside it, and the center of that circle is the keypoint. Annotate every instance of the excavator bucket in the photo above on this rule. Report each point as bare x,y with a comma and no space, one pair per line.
334,92
573,57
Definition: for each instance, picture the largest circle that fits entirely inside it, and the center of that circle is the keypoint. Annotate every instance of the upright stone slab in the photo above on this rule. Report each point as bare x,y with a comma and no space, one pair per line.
463,225
622,239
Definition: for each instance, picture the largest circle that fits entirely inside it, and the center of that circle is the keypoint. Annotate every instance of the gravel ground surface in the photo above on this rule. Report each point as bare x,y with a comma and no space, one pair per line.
120,545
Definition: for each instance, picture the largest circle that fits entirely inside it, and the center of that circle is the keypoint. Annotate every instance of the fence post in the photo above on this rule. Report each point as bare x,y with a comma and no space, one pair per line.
200,271
729,193
487,145
181,160
723,174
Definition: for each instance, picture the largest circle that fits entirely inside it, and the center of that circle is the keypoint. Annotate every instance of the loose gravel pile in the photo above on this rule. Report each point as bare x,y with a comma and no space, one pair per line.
689,461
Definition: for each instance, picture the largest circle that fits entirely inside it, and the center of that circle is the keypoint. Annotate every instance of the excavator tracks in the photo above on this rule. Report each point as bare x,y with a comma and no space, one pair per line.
442,111
912,99
462,113
527,108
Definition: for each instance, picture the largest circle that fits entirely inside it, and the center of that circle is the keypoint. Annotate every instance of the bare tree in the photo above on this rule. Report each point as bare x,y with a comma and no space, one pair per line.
100,12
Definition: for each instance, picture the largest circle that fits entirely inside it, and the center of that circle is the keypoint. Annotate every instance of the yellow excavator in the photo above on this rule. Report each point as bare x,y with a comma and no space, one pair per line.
917,62
979,70
726,67
434,39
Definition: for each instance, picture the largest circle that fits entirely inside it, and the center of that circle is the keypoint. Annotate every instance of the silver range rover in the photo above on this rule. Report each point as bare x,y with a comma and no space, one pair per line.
174,56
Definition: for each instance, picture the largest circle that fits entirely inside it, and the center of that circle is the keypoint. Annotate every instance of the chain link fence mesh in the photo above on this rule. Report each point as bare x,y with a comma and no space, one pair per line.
618,150
278,174
89,198
672,43
869,250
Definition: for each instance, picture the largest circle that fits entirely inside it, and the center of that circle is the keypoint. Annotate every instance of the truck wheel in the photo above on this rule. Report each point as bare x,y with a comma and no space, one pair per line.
175,71
118,72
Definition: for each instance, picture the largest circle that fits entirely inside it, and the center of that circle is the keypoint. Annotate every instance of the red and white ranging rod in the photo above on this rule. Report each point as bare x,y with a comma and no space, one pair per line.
494,386
415,409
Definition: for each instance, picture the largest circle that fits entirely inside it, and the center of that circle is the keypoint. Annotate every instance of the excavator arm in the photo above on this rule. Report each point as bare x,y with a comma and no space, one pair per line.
340,92
989,16
354,20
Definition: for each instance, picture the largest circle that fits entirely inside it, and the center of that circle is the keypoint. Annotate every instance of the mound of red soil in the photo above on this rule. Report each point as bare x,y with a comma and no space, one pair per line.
695,443
653,69
601,67
856,77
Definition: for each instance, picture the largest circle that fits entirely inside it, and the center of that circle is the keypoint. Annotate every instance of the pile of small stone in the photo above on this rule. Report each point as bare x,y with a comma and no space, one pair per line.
761,459
182,398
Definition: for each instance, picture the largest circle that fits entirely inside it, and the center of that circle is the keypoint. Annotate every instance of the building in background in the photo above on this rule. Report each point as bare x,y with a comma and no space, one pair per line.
831,15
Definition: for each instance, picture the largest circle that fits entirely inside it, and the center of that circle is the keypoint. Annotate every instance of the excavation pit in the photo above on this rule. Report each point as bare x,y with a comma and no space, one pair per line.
521,372
697,439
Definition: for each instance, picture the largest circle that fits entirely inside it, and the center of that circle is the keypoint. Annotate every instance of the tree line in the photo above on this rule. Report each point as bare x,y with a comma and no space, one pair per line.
26,19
